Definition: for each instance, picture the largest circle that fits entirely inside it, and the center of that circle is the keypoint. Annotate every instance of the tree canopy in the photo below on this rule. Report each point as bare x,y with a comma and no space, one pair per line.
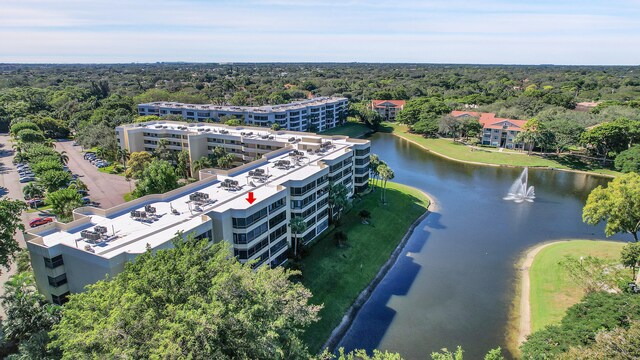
618,204
157,178
191,301
10,222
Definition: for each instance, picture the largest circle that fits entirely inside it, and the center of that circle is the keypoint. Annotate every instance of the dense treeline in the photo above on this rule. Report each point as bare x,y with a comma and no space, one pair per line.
92,99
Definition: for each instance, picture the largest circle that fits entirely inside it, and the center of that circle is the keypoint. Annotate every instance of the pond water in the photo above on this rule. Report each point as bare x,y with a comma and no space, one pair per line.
453,283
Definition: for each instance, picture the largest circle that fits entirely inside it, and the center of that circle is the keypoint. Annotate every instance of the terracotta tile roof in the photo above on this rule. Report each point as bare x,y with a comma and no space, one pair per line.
490,121
388,103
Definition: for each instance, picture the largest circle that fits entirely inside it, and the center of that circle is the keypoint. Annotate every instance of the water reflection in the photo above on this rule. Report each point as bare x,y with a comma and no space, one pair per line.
452,286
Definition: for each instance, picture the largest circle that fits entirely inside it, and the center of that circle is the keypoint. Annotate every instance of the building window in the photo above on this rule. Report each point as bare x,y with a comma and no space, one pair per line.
53,262
243,223
58,280
60,299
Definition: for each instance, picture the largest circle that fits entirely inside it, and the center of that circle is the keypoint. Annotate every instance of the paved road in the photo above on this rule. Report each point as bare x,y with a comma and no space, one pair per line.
11,188
106,189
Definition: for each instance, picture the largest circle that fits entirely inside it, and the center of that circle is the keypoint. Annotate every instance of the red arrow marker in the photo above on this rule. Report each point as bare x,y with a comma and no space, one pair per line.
250,199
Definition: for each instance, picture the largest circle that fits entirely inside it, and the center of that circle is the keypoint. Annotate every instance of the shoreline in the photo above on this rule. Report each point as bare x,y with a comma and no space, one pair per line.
523,297
349,316
498,165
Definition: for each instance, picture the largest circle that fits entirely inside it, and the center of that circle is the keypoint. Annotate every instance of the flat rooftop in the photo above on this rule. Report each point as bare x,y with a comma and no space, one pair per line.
177,213
266,108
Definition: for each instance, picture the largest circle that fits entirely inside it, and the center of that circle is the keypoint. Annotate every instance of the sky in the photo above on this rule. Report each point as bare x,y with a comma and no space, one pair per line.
588,32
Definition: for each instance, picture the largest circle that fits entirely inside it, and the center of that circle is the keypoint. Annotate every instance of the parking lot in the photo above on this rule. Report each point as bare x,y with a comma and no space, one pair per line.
106,189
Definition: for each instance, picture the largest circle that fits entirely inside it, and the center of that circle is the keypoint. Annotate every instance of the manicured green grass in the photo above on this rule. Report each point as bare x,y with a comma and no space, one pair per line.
109,170
350,129
552,292
41,208
336,275
458,151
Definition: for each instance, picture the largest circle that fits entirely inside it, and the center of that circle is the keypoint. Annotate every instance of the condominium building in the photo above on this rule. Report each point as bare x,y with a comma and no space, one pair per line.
289,176
499,132
388,109
317,114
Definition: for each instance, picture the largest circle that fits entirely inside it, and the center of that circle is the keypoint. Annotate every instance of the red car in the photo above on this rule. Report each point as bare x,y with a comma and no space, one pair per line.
39,221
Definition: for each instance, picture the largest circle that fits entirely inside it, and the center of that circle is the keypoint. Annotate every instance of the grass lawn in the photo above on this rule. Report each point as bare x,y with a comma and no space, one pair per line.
551,289
350,129
41,208
459,151
336,276
109,170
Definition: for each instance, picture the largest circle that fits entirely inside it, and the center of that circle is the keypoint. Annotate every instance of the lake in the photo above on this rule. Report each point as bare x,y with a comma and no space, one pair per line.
453,284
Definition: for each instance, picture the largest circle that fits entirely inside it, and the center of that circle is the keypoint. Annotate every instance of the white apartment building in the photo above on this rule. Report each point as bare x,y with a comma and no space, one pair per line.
289,179
317,114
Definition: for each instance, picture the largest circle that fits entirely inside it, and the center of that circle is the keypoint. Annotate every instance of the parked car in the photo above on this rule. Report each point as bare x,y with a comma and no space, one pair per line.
74,176
86,200
39,221
83,192
88,155
34,203
75,144
27,179
101,164
22,166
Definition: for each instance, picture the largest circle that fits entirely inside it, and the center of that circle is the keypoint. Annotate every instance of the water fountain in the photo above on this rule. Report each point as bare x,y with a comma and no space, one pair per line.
519,191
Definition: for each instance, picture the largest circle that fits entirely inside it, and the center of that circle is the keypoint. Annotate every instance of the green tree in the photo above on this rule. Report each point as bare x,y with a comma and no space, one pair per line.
63,202
616,344
183,165
233,122
630,256
22,125
530,134
226,161
200,164
298,226
592,273
596,311
123,155
46,165
163,152
64,158
338,200
53,180
451,125
30,136
386,174
157,178
605,140
566,133
192,301
365,215
618,204
359,354
628,160
275,126
374,162
33,190
10,222
27,312
138,161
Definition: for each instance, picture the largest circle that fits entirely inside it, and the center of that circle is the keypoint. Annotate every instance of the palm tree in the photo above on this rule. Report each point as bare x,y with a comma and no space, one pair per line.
100,152
200,164
374,162
226,161
49,143
78,185
162,151
337,200
365,215
386,174
64,158
298,226
33,190
123,155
